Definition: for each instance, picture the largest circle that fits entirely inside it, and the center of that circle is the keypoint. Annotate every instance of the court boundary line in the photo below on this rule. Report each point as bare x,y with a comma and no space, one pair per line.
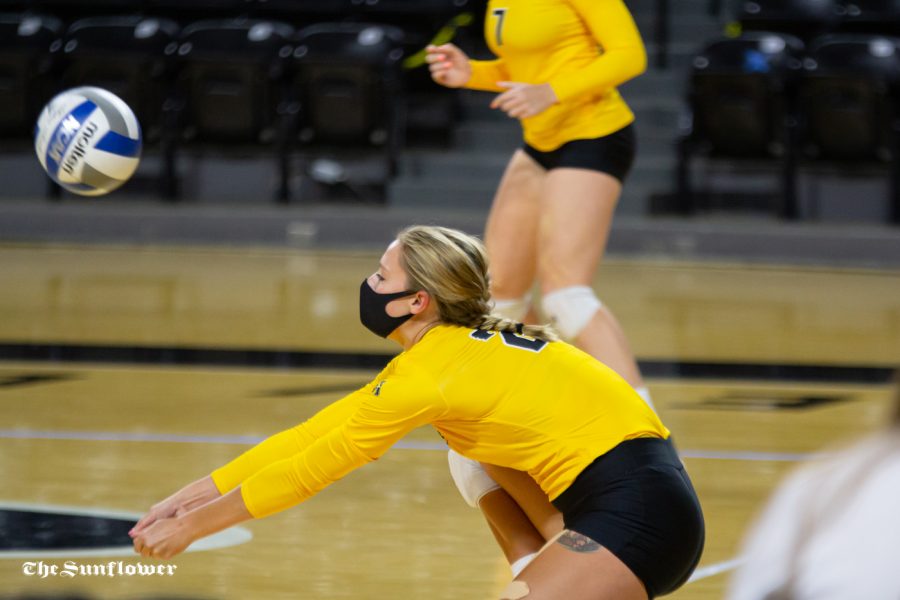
246,440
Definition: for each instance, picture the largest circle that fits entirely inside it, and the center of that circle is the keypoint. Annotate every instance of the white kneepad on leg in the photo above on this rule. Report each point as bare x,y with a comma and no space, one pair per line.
470,478
512,308
570,309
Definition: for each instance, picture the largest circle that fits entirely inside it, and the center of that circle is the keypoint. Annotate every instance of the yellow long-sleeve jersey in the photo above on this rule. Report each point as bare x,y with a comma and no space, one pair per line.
547,409
582,48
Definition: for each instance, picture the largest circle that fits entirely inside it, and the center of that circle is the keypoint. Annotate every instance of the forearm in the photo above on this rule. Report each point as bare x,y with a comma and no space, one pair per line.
212,517
195,494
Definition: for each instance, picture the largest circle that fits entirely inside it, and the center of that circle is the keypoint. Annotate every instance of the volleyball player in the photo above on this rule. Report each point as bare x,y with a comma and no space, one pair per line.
558,65
498,392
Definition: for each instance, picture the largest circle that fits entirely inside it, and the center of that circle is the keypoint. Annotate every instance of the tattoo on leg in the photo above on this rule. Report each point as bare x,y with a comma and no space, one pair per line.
577,542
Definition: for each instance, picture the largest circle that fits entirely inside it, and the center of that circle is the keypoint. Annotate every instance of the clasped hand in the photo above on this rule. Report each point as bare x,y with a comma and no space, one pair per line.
164,538
160,533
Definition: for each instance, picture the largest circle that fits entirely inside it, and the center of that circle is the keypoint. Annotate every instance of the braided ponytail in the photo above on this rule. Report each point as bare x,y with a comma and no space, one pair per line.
453,268
498,323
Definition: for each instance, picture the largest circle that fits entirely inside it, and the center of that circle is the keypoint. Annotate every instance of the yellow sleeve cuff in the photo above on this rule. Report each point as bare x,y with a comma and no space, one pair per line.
486,74
219,478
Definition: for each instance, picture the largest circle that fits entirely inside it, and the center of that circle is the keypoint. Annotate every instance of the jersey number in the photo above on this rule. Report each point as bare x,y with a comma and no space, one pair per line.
500,13
510,339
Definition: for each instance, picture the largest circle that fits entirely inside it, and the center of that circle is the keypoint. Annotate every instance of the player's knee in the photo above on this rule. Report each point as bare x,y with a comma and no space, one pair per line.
512,308
570,309
470,478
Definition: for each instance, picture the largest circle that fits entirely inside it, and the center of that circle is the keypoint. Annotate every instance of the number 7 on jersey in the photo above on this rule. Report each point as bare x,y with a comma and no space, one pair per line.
500,13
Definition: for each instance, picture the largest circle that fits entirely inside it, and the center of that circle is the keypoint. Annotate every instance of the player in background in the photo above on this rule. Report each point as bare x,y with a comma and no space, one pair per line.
557,67
828,531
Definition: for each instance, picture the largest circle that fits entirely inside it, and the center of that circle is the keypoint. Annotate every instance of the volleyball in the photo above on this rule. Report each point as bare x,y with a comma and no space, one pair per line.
88,140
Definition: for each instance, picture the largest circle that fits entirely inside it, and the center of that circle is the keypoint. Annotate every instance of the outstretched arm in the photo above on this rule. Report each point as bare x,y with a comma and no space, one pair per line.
277,447
368,425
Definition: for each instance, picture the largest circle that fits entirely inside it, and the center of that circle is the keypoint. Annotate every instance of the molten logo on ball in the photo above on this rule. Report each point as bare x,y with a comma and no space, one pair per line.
88,140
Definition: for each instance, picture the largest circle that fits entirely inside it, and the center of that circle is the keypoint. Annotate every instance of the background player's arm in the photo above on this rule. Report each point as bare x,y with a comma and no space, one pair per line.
623,58
486,75
451,67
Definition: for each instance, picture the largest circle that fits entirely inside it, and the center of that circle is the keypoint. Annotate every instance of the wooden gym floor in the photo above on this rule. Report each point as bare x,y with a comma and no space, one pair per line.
129,371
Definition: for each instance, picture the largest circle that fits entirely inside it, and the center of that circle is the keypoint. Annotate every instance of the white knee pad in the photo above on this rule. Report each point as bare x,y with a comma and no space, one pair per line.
470,478
513,308
570,309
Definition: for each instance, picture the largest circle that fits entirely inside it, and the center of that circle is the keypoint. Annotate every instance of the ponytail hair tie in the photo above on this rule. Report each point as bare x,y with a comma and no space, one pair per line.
520,327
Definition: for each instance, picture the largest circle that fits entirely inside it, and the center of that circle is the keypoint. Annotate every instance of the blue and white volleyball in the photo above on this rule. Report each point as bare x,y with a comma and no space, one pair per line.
88,140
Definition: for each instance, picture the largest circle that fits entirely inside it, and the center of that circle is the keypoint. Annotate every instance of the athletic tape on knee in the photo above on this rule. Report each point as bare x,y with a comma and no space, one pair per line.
519,565
516,590
470,478
512,308
571,309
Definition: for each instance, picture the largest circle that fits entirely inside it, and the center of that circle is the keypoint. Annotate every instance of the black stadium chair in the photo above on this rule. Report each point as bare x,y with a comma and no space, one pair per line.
849,99
870,16
424,15
347,79
72,10
307,10
434,110
187,11
739,108
130,56
805,19
29,45
231,86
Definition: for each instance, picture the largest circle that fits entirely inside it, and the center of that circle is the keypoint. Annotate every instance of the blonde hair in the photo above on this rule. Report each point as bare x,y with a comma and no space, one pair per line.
453,268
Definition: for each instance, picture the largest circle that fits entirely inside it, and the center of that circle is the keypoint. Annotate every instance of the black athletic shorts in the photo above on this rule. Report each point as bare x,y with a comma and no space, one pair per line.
638,502
612,154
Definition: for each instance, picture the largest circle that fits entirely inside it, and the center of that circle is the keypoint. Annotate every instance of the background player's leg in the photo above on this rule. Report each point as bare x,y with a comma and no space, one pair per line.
575,567
512,229
577,207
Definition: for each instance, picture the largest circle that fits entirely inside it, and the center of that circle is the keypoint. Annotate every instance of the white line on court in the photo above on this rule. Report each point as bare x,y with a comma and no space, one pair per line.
126,436
715,569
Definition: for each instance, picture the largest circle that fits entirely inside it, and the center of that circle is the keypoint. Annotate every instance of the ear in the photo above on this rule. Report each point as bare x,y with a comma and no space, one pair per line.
420,303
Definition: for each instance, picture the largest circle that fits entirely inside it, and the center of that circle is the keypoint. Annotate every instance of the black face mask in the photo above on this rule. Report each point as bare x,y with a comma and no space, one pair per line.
373,313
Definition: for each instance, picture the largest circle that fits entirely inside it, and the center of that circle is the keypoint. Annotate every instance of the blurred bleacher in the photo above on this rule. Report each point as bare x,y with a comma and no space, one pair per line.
323,140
